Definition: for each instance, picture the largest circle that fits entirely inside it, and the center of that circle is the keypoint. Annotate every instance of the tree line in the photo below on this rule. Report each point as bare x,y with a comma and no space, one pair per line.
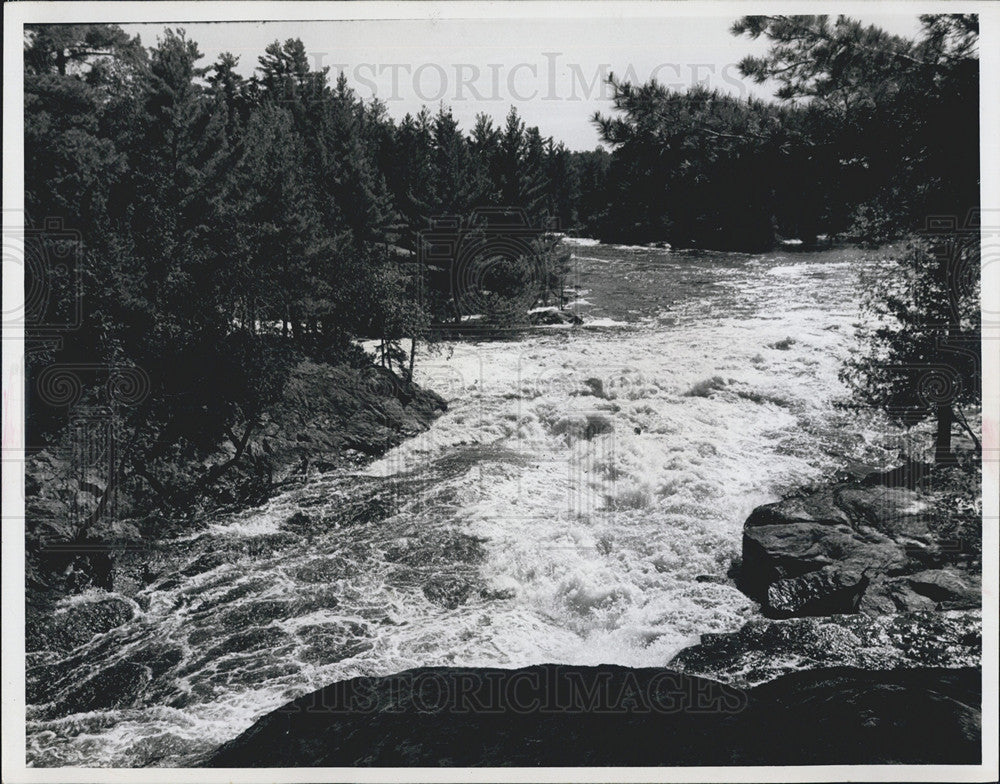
870,134
872,137
223,227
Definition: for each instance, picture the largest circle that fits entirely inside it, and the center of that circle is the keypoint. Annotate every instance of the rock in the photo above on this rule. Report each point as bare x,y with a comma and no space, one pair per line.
70,627
116,686
830,590
847,716
928,589
849,547
553,316
328,412
947,585
706,387
886,509
812,568
584,425
911,474
813,508
566,715
765,649
596,387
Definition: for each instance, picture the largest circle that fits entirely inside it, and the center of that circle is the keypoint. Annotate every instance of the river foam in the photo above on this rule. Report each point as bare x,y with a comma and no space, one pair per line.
581,501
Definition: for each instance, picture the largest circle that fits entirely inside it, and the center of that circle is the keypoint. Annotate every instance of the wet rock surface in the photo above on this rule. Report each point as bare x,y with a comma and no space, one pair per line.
75,624
328,413
765,649
852,547
552,316
329,417
565,715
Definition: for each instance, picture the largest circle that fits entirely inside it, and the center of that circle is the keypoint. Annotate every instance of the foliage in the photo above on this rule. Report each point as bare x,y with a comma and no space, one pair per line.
901,114
920,356
692,168
227,227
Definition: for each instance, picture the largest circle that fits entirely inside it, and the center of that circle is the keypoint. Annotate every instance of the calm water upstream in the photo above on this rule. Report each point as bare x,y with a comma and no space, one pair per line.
545,517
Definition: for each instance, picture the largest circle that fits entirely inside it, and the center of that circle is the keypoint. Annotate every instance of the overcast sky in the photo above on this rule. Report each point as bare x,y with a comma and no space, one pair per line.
552,70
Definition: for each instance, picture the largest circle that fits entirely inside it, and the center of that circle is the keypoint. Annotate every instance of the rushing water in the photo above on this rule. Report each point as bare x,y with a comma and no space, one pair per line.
581,501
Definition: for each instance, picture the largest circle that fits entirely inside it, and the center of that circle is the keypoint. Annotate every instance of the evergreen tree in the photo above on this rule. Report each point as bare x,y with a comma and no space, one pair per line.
563,186
485,144
901,114
520,168
902,118
696,169
920,359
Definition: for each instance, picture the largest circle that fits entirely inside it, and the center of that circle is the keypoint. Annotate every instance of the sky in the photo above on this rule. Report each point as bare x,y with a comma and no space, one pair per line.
552,70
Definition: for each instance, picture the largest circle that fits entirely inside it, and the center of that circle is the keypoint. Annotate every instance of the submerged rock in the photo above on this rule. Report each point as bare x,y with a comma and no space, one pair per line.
564,715
75,624
551,316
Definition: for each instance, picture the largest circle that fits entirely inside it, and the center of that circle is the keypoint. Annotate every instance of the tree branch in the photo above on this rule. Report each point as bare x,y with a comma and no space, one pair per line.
964,423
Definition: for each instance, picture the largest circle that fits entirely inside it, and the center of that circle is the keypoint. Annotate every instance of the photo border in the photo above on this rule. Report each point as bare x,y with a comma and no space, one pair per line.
18,13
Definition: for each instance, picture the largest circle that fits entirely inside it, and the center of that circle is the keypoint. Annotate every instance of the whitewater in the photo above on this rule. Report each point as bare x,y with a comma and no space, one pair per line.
580,501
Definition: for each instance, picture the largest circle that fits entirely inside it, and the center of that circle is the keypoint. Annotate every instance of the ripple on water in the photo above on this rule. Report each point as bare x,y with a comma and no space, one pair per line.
573,504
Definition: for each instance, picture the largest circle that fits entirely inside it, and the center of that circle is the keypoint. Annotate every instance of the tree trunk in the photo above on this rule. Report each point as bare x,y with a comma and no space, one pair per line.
942,443
413,354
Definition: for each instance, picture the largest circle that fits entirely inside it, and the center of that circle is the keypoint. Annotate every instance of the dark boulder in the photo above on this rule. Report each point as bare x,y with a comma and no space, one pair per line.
850,547
847,716
565,715
553,316
947,589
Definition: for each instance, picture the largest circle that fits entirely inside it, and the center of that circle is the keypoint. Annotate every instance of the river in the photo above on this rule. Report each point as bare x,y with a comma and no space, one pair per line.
581,501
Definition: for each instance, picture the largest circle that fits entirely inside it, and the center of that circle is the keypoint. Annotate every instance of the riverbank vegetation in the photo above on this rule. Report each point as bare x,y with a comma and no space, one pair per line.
200,235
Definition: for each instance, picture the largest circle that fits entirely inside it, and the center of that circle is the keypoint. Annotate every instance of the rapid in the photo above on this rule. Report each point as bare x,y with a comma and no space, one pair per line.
581,501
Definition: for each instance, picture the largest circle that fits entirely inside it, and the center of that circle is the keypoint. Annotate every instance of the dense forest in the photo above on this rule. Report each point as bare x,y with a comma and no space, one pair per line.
219,228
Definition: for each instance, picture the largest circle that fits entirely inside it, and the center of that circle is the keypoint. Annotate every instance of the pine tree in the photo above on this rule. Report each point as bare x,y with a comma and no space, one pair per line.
696,168
563,186
485,144
900,114
521,183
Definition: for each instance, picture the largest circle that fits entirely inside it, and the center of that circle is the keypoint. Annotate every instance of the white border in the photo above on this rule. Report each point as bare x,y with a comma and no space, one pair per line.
16,14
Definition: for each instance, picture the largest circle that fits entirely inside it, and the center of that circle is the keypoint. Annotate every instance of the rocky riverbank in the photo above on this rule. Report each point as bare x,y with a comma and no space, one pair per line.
895,541
330,417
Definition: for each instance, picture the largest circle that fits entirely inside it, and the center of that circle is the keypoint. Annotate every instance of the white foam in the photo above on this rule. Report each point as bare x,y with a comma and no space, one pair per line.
598,506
